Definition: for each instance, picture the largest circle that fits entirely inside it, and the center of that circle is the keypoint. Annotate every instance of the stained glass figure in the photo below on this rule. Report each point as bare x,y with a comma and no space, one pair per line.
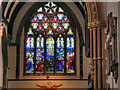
70,54
40,54
34,25
50,54
60,54
60,16
30,42
29,62
35,19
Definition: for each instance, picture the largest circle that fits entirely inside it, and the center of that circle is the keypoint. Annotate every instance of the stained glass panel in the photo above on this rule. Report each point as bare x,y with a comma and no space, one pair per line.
60,28
29,61
60,16
50,54
70,53
40,54
40,16
45,19
40,9
50,32
65,19
35,19
55,19
65,25
30,42
30,32
45,25
60,54
60,9
49,24
40,28
34,25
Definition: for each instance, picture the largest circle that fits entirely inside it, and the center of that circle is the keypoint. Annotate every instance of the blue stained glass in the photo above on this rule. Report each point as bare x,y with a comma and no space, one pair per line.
70,54
50,47
70,42
29,61
55,25
50,54
30,42
60,54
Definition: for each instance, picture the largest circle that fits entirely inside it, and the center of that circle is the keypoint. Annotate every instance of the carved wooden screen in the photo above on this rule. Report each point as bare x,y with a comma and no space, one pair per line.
50,43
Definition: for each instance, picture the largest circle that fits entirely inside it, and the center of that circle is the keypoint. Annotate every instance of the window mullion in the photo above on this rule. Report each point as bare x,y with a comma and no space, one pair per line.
35,36
45,55
55,56
65,59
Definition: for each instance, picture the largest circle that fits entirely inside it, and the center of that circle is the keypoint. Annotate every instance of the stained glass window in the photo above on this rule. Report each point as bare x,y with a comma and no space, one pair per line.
50,44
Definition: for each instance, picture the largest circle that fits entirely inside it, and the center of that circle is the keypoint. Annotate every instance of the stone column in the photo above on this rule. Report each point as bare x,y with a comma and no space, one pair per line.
99,58
95,51
94,57
91,55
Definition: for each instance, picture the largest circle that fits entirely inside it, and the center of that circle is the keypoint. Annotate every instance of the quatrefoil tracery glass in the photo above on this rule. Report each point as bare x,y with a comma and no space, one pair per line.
50,16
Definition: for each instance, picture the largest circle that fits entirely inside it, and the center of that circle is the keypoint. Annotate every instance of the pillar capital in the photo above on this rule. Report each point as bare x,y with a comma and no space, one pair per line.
96,24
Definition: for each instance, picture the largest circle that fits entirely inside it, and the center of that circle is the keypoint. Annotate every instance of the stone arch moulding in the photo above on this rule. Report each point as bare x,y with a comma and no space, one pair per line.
29,12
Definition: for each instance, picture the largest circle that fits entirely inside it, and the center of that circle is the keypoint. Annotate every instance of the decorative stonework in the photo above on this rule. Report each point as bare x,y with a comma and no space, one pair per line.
96,24
111,44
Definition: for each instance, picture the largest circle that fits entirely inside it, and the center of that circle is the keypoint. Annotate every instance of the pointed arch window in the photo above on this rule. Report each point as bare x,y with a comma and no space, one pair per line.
50,44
